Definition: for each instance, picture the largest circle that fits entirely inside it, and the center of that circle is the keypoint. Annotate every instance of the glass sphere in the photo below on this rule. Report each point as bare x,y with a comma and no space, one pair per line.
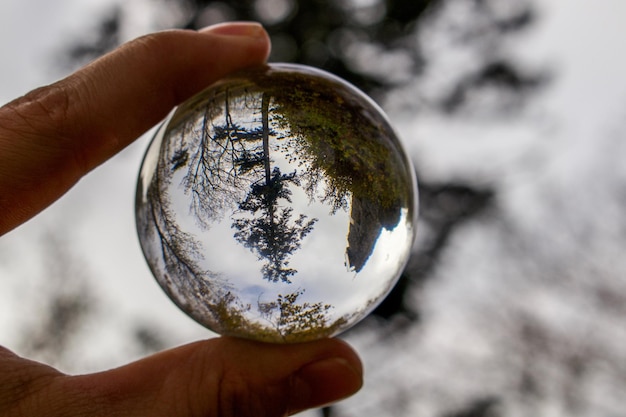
277,205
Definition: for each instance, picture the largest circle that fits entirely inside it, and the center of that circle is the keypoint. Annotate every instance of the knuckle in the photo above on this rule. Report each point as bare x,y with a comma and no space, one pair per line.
236,398
45,108
235,392
46,120
23,383
239,398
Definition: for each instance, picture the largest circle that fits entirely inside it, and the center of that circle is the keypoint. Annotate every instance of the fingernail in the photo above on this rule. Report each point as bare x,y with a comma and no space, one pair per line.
324,382
248,29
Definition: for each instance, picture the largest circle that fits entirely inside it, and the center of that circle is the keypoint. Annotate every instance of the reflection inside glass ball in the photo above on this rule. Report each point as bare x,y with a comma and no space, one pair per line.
276,205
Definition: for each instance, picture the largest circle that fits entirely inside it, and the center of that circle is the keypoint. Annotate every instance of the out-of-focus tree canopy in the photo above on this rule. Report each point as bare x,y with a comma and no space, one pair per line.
392,49
513,301
378,45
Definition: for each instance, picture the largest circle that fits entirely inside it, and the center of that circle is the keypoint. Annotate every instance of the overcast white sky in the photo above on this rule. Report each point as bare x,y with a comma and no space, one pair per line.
584,42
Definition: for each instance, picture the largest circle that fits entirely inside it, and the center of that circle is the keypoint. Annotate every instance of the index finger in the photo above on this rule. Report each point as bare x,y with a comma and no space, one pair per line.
54,135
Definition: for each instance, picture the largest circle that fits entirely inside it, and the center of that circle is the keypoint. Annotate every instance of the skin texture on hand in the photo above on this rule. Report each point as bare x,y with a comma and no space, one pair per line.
218,377
53,136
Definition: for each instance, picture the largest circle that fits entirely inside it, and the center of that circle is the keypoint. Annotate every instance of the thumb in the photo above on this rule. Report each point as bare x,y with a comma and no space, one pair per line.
226,377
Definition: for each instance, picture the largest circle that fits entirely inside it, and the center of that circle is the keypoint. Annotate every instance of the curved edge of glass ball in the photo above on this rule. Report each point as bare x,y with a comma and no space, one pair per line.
175,255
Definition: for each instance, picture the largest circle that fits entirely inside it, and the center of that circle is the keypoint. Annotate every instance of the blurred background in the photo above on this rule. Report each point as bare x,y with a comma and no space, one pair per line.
514,114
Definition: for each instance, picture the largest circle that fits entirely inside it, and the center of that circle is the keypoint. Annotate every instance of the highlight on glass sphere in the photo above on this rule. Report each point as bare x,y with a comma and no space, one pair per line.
277,205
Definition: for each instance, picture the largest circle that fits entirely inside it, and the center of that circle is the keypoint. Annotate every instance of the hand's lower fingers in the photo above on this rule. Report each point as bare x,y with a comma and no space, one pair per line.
54,135
225,377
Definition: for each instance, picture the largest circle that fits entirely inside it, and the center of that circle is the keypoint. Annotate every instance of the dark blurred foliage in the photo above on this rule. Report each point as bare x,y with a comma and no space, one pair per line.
481,407
500,75
105,38
324,33
149,338
443,207
373,44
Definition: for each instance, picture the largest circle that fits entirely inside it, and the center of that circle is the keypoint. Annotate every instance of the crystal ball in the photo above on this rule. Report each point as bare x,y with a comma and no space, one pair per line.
277,205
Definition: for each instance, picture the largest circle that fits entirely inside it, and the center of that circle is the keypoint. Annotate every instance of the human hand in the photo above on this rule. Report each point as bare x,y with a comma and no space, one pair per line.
53,136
